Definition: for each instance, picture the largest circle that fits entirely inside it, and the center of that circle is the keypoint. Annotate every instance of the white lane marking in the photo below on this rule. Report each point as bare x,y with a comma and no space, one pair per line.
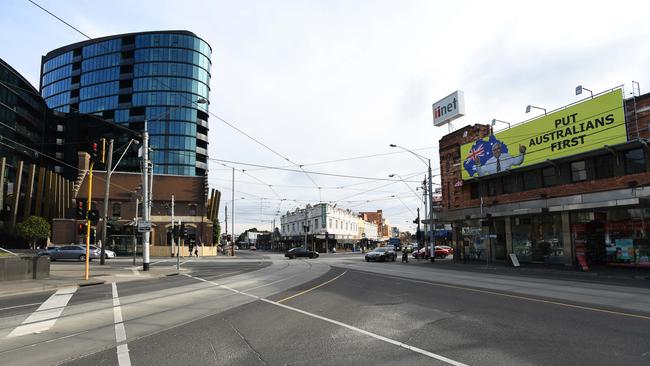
20,306
164,260
351,327
123,358
46,315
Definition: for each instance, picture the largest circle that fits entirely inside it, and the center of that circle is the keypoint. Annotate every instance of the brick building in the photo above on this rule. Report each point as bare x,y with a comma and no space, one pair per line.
191,208
591,207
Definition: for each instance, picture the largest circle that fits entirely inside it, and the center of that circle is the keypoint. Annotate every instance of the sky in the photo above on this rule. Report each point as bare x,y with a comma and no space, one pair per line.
315,83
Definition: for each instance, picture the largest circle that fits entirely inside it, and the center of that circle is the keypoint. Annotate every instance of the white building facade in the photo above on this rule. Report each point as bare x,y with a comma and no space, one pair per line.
325,226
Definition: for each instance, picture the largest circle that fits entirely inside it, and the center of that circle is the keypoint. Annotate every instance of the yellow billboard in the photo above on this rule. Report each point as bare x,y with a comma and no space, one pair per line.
582,127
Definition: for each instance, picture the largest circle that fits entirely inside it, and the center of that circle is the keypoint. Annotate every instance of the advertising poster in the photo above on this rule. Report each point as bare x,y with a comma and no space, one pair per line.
579,128
624,250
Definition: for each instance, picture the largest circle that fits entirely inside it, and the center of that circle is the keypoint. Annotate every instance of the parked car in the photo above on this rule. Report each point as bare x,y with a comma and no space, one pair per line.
77,252
300,252
382,254
107,252
252,247
450,250
46,251
424,253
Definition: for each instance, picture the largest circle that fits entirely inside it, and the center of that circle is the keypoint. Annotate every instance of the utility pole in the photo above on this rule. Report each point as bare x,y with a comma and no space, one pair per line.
107,183
172,229
232,214
135,224
145,198
226,220
433,252
305,226
426,203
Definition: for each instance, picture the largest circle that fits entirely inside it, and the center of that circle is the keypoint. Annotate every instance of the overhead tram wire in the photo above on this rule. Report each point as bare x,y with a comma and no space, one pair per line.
209,112
192,101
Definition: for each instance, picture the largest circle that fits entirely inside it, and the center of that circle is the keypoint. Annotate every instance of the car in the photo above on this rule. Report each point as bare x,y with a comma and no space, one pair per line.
300,252
450,250
382,254
77,252
424,253
46,252
252,247
107,253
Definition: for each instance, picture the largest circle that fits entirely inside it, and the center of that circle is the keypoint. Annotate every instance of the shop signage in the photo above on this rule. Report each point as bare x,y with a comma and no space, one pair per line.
449,108
579,128
514,259
144,226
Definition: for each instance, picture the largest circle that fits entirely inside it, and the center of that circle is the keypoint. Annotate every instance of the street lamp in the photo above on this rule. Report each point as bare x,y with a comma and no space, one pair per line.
528,108
427,162
580,88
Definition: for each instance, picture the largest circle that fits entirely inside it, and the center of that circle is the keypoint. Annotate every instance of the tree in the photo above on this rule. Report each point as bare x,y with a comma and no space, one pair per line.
216,232
34,229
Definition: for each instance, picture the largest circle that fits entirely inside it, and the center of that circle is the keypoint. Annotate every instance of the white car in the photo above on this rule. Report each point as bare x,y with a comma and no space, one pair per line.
107,253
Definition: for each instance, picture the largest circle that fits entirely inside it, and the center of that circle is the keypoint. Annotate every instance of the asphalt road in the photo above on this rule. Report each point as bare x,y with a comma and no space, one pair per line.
337,310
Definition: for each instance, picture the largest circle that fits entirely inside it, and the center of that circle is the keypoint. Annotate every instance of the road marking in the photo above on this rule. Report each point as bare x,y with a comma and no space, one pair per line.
123,358
351,327
520,297
46,315
20,306
311,289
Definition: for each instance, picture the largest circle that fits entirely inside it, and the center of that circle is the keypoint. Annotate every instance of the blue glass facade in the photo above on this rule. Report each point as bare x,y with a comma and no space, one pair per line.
130,78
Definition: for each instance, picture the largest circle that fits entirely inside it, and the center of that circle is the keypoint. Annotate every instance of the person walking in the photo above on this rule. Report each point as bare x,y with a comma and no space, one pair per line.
405,256
196,250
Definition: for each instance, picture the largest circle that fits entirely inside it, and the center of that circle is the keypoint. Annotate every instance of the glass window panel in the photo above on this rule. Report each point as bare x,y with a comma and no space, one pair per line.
578,171
634,161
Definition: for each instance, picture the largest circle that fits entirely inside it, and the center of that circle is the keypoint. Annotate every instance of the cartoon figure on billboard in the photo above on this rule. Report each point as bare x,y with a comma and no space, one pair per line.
489,157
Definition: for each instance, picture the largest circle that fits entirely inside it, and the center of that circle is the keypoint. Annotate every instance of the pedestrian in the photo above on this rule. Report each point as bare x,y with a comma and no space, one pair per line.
196,250
405,256
191,247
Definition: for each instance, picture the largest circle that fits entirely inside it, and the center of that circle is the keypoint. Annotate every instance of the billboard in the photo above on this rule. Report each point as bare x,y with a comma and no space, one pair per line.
449,108
579,128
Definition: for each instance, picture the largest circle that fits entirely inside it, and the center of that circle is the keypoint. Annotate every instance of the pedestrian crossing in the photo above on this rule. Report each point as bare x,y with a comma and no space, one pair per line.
46,315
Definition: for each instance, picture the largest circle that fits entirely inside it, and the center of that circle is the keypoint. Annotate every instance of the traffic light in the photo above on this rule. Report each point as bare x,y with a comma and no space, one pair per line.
93,216
229,237
81,229
81,210
417,221
93,152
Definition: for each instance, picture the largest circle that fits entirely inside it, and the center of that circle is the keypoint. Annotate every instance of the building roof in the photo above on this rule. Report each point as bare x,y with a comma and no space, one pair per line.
73,46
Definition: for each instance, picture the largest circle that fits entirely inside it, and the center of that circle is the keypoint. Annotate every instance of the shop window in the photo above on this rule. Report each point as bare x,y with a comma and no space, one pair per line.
578,171
473,190
605,166
634,161
531,180
192,210
549,176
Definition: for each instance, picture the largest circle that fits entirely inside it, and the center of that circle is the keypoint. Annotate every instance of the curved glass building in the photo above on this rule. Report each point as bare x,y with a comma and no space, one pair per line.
161,77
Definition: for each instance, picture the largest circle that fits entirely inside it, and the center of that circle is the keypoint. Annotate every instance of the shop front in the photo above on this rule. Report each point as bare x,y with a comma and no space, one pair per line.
538,238
615,237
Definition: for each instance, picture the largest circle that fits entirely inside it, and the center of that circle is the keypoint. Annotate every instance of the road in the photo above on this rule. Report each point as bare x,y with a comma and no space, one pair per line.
262,309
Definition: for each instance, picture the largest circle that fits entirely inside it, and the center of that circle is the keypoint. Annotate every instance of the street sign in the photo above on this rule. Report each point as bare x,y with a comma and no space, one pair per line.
144,226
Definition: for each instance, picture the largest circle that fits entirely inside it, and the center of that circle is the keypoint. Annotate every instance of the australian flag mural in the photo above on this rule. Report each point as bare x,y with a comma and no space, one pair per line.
482,150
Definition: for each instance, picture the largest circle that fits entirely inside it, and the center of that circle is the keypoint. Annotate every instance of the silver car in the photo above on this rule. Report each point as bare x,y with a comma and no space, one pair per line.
77,252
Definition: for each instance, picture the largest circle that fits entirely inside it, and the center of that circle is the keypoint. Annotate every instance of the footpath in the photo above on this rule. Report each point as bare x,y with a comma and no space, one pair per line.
64,274
635,277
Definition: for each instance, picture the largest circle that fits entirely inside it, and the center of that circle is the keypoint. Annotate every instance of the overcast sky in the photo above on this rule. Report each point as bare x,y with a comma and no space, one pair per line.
327,80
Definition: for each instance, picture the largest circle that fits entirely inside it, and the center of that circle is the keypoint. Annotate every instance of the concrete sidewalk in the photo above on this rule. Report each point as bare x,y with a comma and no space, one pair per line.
637,277
64,274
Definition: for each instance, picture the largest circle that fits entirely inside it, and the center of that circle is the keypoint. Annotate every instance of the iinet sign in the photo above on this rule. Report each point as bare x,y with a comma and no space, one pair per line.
449,108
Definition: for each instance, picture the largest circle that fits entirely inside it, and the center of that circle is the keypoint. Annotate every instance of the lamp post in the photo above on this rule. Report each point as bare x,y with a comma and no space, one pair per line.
427,162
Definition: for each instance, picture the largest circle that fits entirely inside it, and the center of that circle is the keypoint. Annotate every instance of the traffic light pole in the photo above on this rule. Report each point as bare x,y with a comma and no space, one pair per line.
107,183
88,207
